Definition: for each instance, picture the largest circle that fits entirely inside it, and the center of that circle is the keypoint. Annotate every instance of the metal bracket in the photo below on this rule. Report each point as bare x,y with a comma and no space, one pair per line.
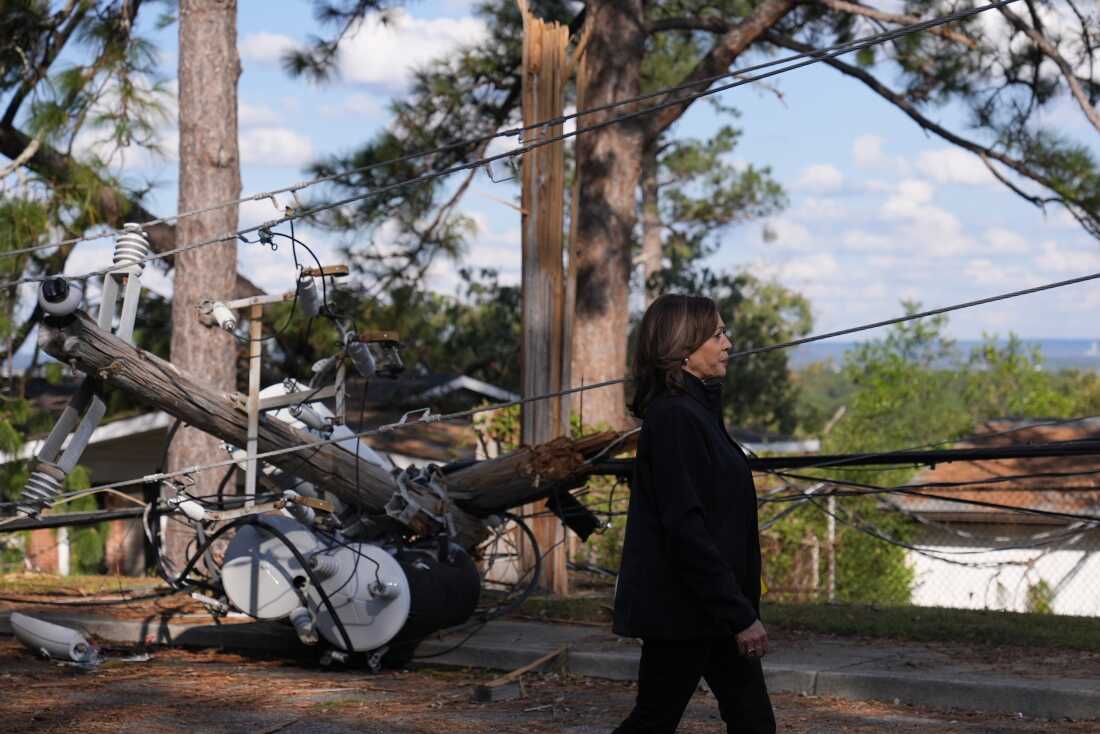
86,408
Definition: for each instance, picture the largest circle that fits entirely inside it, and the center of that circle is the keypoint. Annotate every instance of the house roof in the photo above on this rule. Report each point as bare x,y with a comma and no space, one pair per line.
1068,484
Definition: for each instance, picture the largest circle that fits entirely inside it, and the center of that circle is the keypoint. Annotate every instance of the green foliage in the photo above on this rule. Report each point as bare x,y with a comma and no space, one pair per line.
475,334
907,389
702,192
823,395
1040,598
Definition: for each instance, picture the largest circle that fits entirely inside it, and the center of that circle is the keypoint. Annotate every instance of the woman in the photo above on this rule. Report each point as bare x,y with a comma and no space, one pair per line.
689,584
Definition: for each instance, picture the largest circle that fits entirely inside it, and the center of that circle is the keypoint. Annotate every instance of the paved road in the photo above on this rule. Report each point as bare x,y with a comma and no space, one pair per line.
211,691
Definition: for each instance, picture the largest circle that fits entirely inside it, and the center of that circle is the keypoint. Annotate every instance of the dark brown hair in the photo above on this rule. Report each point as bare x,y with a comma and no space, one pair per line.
673,327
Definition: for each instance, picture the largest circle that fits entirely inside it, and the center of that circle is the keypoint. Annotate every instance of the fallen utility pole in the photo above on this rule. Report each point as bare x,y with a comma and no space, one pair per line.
474,492
1087,447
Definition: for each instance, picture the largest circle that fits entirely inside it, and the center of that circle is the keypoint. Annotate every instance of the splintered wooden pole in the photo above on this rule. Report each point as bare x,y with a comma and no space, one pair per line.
543,214
483,489
224,415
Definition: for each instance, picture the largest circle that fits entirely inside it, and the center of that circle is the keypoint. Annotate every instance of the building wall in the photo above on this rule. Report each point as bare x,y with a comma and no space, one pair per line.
1066,572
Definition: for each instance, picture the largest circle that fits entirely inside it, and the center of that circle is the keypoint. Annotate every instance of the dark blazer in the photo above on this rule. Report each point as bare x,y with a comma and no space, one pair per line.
691,555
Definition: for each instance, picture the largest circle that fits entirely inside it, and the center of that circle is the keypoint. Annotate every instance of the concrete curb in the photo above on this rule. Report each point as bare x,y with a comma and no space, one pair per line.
1077,699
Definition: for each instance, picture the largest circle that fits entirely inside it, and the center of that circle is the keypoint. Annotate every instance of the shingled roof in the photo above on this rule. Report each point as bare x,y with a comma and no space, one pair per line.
1060,484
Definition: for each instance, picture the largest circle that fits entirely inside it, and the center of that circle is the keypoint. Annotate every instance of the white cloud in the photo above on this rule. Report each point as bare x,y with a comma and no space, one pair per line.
362,105
927,228
820,177
867,151
265,48
1055,259
787,235
954,166
811,268
386,48
858,239
275,146
815,209
249,115
984,271
1005,241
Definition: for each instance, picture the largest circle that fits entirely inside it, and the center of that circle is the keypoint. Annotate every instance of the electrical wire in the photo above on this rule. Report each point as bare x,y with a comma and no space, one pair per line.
497,612
871,489
807,58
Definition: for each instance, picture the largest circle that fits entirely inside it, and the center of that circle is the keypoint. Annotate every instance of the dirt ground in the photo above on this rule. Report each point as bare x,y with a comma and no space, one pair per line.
210,691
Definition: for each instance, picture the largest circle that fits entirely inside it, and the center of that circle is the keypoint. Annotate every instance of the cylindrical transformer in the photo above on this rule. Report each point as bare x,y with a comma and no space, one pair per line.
381,597
309,298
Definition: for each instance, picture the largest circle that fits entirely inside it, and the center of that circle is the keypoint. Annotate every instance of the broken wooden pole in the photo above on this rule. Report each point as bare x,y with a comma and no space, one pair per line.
544,350
476,491
160,384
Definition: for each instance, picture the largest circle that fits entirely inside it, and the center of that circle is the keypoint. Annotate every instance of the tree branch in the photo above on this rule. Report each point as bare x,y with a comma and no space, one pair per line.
21,160
707,23
52,52
856,8
1048,49
113,207
725,50
984,152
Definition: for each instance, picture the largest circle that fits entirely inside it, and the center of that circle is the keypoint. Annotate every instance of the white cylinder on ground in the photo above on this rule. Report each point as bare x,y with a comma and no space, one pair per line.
52,640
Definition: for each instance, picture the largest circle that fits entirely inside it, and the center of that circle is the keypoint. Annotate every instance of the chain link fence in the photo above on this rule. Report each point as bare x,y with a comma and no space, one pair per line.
1022,550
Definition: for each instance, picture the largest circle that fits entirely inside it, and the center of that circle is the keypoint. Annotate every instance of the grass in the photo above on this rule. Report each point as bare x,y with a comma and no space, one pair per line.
932,624
915,624
42,583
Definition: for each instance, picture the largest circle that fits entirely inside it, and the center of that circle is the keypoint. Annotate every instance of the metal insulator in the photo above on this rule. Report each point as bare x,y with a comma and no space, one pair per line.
311,418
308,296
362,358
131,247
40,490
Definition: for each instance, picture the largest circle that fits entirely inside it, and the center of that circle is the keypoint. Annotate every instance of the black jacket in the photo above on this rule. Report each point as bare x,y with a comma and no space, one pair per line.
691,556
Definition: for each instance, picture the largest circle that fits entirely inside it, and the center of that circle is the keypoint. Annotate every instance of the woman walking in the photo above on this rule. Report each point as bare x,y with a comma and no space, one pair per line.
689,584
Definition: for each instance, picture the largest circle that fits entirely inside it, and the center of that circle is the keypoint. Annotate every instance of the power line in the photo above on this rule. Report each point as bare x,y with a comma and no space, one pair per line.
428,417
814,58
872,489
808,58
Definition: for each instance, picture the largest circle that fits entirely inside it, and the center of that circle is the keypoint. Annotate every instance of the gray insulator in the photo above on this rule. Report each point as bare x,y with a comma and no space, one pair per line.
131,247
40,490
311,418
308,296
324,567
361,358
52,640
302,513
303,625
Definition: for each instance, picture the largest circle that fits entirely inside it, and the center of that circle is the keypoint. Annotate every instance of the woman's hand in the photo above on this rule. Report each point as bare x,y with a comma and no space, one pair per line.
753,640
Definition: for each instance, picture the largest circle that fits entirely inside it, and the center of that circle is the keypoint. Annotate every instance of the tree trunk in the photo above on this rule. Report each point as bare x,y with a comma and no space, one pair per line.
651,221
209,173
609,169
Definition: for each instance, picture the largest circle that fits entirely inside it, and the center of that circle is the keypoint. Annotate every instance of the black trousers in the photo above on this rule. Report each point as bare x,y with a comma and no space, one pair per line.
669,674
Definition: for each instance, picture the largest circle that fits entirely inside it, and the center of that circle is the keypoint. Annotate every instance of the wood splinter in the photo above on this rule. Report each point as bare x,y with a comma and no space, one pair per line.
510,686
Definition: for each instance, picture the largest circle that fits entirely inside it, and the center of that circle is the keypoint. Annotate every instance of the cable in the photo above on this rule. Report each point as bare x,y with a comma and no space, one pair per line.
976,483
877,489
810,57
259,522
497,612
160,593
877,533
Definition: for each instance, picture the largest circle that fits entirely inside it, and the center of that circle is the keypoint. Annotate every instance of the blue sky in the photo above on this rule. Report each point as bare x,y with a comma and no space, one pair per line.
878,211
